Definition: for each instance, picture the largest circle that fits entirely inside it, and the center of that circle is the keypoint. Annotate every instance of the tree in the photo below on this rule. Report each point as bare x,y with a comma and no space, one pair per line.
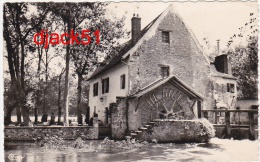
71,15
244,59
17,27
59,96
85,57
43,57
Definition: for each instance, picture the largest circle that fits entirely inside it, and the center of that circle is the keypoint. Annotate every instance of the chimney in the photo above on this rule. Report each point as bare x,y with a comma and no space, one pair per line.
136,28
221,64
218,47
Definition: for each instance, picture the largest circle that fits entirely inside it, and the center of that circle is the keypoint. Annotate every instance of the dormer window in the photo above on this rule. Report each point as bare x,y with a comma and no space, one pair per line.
165,71
165,37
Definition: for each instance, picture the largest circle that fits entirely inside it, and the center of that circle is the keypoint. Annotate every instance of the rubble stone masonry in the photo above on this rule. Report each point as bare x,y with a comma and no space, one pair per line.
182,55
37,133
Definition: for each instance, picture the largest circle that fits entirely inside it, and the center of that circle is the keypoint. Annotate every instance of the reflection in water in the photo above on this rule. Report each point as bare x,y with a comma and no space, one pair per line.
215,150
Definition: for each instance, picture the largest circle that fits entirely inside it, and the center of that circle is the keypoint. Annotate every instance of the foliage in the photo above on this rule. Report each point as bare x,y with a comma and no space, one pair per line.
86,57
242,49
29,88
244,59
19,23
207,129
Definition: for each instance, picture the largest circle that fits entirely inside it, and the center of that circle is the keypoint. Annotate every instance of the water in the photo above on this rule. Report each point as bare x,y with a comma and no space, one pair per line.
215,150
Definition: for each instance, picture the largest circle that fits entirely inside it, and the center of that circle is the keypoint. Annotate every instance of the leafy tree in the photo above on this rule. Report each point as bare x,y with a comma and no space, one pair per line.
85,57
72,15
42,88
244,59
18,25
44,58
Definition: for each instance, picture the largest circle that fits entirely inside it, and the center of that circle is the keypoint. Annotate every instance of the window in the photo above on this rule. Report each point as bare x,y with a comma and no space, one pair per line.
165,71
199,108
230,88
95,89
165,37
105,85
122,81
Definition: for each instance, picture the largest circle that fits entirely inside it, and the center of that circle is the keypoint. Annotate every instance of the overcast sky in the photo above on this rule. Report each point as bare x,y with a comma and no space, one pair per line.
214,20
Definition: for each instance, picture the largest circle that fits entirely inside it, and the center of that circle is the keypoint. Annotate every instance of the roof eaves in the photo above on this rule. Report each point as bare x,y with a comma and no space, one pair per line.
186,88
150,87
175,81
225,76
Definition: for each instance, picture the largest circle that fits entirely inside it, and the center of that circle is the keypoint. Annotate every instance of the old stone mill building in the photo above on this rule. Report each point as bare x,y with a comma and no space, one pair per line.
161,73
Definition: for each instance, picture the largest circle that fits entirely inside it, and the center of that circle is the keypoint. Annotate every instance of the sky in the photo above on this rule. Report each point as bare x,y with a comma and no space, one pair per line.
214,20
211,20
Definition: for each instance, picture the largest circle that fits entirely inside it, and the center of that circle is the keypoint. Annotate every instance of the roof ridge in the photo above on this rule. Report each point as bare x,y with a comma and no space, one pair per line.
126,47
130,47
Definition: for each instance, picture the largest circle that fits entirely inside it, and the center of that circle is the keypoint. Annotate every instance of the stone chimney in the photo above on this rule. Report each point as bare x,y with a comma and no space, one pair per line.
221,64
136,28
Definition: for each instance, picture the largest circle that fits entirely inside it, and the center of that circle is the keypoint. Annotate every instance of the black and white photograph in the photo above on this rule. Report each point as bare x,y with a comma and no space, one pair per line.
122,81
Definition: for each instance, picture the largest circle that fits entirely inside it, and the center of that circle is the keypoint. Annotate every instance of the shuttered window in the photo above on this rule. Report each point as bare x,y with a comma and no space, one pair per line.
105,85
95,89
122,81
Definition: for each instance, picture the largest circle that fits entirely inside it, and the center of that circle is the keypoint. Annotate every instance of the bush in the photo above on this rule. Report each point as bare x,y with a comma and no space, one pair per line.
207,130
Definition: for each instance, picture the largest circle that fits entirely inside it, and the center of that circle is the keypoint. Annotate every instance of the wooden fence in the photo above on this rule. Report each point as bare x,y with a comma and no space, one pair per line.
228,125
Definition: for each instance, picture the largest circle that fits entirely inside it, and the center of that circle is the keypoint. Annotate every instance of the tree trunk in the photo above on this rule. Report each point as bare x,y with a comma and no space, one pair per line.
7,119
22,95
18,114
36,115
46,85
59,99
25,111
10,56
9,109
36,110
66,88
17,87
80,78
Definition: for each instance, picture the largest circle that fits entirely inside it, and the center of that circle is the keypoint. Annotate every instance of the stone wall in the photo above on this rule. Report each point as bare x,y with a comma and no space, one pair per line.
179,131
182,54
33,133
119,122
246,104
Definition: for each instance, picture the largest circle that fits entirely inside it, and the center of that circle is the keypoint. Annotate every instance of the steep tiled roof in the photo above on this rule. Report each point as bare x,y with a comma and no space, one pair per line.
125,48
